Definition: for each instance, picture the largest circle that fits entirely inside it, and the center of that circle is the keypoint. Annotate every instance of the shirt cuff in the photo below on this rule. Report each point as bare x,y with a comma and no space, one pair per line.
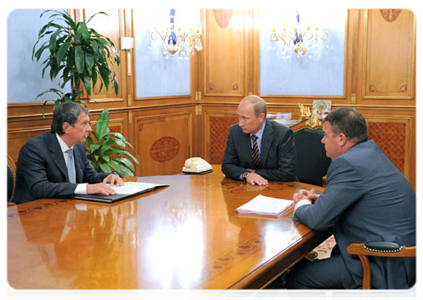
301,203
81,188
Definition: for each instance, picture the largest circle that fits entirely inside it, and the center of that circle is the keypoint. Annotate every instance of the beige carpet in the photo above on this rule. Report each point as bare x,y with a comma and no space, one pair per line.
274,292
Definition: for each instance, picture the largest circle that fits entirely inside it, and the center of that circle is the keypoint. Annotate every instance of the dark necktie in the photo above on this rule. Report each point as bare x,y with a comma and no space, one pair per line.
71,166
255,153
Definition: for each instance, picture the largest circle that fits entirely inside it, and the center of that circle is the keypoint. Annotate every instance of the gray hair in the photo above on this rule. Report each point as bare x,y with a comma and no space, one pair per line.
66,112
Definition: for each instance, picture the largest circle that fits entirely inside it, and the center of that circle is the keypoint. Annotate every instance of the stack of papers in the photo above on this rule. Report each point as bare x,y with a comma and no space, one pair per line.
266,206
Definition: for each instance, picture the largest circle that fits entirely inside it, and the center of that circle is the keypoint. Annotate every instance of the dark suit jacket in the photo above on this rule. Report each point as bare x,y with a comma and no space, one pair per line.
42,173
277,155
367,199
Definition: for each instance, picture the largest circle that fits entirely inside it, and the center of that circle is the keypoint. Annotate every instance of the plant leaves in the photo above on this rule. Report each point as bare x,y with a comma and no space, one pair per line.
89,142
122,152
126,162
79,59
125,172
95,134
104,149
62,51
93,146
102,123
116,84
104,74
52,46
115,165
106,168
83,31
87,83
89,61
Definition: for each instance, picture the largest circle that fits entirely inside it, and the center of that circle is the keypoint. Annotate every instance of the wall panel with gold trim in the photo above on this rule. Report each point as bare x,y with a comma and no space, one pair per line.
163,141
388,55
224,48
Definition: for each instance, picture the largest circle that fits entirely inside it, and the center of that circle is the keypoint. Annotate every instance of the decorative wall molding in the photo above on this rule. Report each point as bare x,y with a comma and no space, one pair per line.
390,15
165,149
223,17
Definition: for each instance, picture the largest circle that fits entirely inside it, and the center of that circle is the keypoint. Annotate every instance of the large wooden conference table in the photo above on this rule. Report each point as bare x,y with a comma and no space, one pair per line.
184,236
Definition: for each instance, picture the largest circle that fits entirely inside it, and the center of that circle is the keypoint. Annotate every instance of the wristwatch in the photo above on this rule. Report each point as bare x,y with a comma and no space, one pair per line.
245,175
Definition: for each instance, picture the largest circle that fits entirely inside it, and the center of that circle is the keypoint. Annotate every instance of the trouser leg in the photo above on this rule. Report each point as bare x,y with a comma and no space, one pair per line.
311,280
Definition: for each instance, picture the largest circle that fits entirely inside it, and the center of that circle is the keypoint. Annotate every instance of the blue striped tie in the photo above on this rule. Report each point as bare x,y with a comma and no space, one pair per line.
71,166
255,153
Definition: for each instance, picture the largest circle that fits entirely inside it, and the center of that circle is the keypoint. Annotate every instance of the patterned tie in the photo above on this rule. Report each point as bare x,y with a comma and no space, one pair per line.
255,154
71,166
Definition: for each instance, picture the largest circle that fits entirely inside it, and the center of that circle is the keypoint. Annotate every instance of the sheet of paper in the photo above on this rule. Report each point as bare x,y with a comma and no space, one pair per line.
134,187
263,205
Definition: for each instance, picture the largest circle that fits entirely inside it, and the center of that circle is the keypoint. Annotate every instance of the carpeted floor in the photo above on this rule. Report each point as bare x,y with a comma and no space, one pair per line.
274,292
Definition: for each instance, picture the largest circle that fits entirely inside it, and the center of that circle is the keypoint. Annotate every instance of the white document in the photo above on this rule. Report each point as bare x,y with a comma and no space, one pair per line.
267,206
130,188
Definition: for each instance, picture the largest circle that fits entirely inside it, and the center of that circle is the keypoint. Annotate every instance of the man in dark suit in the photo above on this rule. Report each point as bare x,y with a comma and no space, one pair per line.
276,156
366,199
54,164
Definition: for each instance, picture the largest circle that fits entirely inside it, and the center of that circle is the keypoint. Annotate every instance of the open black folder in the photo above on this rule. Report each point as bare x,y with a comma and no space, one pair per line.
122,192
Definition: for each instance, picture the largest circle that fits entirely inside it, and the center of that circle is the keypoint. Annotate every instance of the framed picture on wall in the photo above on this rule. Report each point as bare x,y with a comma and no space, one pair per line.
321,108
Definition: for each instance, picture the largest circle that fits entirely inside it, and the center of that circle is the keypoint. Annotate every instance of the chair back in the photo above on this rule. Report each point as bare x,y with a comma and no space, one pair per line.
312,162
384,249
11,178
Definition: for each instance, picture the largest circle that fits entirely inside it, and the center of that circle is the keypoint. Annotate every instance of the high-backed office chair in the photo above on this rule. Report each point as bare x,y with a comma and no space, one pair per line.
385,249
312,162
11,179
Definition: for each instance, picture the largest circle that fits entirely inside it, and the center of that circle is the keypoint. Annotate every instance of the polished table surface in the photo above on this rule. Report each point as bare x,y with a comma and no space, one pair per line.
184,236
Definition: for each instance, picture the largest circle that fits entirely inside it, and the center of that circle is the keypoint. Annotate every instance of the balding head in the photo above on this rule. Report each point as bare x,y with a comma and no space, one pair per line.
259,104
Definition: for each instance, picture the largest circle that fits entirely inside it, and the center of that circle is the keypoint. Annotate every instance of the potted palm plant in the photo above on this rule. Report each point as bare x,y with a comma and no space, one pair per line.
77,54
85,58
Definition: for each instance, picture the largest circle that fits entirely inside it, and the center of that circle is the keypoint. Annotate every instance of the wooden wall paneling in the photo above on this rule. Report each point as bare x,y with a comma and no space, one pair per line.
127,57
231,55
16,138
224,42
163,142
249,29
22,128
393,134
389,55
216,131
394,129
196,96
352,47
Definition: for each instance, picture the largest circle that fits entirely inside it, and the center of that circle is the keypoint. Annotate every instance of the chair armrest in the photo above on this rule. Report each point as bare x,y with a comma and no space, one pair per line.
381,249
386,249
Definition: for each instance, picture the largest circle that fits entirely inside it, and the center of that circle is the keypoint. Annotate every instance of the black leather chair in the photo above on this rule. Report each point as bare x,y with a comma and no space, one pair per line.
312,161
11,179
384,249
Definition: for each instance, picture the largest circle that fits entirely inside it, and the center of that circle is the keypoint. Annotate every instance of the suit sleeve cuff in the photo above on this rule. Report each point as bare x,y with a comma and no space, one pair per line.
81,188
301,203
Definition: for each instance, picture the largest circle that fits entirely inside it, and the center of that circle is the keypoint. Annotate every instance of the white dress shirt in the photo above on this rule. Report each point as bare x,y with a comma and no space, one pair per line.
81,188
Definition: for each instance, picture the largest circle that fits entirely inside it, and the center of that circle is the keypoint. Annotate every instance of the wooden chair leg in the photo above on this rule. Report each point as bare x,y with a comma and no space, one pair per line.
367,272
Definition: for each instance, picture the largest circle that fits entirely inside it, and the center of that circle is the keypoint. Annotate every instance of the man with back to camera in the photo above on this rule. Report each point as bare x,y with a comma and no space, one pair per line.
366,199
275,147
47,169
